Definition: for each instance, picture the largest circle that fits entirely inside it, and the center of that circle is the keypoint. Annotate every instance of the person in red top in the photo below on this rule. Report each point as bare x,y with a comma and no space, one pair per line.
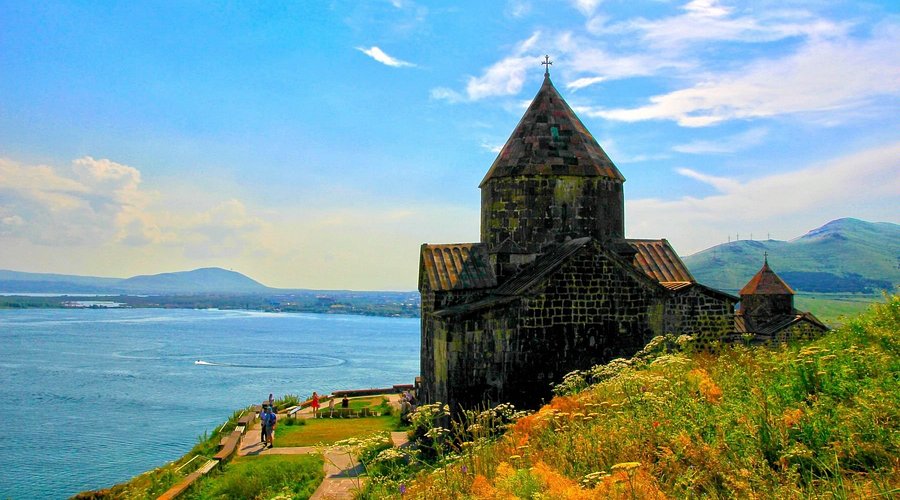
315,403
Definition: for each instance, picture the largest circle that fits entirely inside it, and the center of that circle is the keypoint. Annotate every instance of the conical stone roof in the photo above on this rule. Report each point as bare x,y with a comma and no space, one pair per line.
766,282
551,140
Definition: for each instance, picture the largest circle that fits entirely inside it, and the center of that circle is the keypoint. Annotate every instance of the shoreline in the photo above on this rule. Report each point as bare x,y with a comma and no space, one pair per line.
359,306
238,433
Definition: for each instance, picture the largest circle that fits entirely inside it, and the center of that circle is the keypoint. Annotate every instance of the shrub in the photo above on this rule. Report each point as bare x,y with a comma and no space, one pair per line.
809,419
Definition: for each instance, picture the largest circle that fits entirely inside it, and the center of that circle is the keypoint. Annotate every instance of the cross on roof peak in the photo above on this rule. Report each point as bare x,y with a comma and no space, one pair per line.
547,62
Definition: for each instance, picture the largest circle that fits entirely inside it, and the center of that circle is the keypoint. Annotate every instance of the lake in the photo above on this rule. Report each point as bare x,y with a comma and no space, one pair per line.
93,397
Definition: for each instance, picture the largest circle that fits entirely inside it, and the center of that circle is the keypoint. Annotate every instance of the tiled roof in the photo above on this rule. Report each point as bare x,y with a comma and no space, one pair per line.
657,259
775,324
681,286
551,140
520,283
766,282
457,266
542,266
676,285
532,275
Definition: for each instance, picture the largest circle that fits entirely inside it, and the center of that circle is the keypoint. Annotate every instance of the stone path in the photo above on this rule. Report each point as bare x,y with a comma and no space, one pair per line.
342,471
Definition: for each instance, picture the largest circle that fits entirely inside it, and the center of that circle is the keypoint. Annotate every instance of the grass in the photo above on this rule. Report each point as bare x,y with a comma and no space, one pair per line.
818,419
365,402
834,308
327,430
288,476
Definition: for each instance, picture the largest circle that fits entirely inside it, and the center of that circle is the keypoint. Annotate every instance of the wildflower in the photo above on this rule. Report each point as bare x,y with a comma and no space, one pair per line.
626,466
792,417
402,489
436,432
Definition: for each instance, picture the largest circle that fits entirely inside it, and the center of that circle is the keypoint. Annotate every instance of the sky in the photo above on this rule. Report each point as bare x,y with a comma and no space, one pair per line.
319,144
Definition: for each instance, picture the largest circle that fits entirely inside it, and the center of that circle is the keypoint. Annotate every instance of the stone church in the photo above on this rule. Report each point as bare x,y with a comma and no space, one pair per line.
767,311
553,285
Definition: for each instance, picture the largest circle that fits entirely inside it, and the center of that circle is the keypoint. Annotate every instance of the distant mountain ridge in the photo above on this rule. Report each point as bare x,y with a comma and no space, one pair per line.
845,255
198,281
204,280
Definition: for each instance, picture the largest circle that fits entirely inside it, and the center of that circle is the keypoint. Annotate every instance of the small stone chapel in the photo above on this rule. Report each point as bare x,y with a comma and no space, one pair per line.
553,285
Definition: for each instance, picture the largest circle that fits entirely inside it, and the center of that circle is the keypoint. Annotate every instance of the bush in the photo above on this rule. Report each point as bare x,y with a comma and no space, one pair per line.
293,421
287,401
809,419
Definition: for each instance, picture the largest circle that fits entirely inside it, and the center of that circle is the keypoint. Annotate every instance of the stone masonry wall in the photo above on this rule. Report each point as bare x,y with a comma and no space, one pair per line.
801,330
591,310
707,318
434,301
766,306
536,211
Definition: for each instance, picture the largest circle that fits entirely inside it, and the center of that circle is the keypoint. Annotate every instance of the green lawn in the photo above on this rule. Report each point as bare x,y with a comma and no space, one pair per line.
833,308
329,430
294,476
365,402
370,402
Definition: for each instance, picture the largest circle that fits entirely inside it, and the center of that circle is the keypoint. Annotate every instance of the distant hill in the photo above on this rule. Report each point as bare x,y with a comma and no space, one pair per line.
16,281
844,255
198,281
205,280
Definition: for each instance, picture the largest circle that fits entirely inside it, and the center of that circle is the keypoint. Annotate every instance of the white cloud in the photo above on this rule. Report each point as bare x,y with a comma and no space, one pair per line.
517,8
727,144
491,147
503,78
88,201
584,56
864,184
821,76
445,94
586,7
581,83
226,230
722,184
379,55
98,201
707,20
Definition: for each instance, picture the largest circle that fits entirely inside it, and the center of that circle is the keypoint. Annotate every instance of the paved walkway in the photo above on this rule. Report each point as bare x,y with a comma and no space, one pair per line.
342,471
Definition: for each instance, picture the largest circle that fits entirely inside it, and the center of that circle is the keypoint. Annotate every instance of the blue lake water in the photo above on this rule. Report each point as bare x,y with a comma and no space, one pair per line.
90,398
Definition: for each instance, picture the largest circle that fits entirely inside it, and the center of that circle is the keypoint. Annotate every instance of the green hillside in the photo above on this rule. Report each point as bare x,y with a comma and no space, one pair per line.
843,256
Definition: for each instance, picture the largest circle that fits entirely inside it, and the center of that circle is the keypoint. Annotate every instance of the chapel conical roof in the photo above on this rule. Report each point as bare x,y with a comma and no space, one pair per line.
551,140
766,282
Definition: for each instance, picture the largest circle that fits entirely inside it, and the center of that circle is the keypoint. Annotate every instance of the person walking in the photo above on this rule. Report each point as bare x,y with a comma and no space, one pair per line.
269,427
262,425
315,404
